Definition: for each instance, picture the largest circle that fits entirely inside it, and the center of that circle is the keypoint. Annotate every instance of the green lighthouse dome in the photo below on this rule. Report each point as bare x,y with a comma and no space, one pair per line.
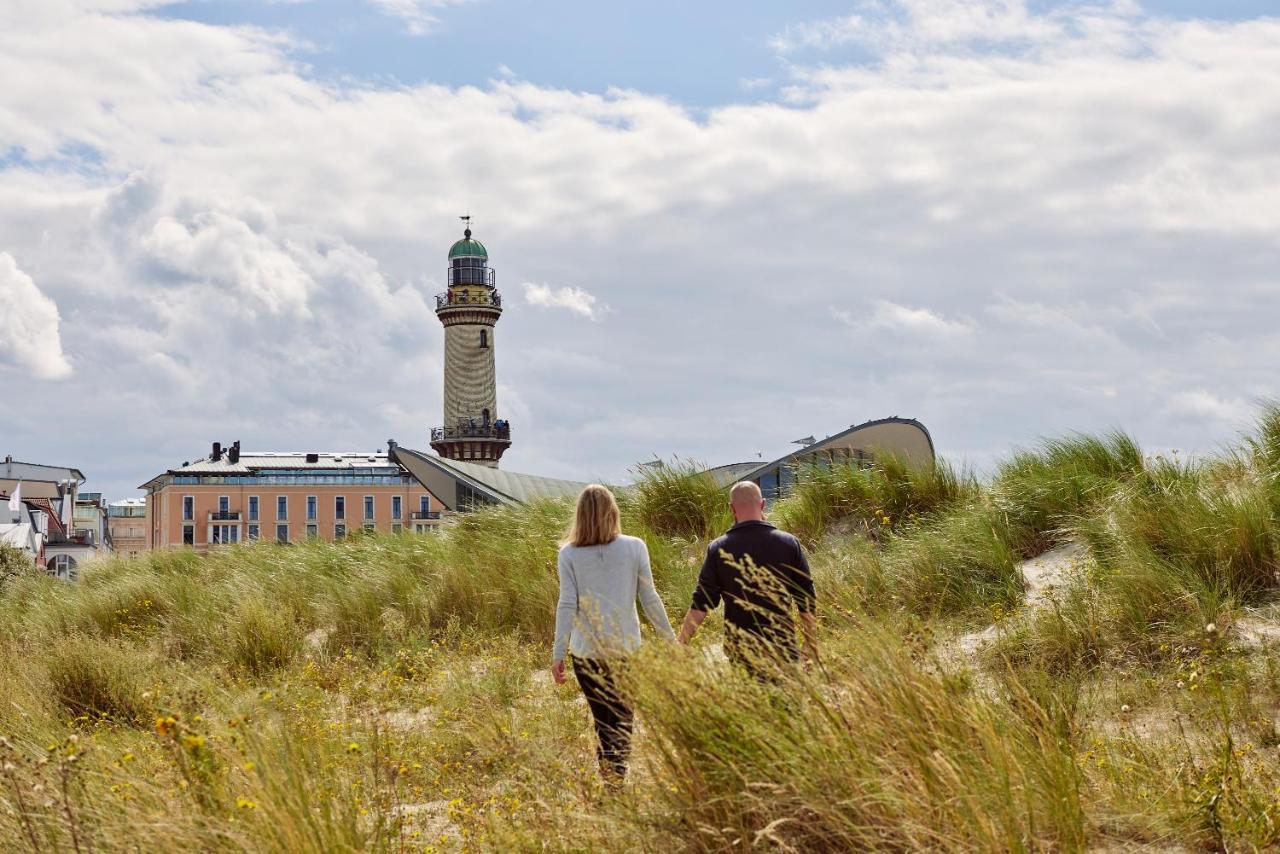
468,248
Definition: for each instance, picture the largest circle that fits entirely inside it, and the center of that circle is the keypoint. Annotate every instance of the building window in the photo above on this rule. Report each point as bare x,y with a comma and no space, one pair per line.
188,508
282,533
339,531
224,504
424,504
484,339
396,527
282,507
312,503
226,534
313,531
253,508
340,507
369,527
254,532
368,507
188,535
62,566
397,507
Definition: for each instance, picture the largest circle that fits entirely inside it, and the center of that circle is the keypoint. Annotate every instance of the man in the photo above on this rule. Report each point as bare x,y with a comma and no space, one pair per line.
760,573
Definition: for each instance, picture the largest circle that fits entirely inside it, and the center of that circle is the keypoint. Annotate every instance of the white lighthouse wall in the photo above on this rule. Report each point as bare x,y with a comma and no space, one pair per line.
470,384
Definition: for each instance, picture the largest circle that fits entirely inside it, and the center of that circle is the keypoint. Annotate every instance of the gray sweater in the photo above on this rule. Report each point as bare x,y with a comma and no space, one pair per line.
596,616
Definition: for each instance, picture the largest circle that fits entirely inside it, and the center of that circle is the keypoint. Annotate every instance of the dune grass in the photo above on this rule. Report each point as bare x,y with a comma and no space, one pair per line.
389,693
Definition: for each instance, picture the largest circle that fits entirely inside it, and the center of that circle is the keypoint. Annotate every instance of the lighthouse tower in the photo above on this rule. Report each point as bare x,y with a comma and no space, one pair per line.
469,311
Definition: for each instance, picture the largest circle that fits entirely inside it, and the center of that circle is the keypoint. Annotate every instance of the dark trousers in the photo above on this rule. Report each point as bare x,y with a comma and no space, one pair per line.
612,714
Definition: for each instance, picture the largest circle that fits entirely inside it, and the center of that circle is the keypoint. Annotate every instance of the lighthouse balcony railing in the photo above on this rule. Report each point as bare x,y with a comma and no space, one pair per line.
492,299
500,430
483,276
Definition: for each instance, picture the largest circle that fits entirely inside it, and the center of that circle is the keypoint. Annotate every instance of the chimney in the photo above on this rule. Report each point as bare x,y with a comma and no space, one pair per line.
217,452
233,455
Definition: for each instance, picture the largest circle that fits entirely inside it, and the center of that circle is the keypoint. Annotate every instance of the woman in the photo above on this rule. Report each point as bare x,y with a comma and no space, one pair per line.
601,574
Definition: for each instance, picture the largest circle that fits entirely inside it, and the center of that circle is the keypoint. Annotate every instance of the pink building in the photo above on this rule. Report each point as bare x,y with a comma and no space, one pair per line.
229,497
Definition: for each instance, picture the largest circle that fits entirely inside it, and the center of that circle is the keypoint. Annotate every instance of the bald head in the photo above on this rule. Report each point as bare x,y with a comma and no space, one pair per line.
746,501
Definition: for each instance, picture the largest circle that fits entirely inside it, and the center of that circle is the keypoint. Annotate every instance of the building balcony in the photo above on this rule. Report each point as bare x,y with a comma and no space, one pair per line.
420,516
462,276
225,516
75,538
489,299
498,431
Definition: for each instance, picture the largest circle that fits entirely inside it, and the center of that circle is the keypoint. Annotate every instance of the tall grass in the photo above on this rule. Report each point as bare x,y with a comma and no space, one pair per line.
874,498
874,753
1041,492
379,693
679,499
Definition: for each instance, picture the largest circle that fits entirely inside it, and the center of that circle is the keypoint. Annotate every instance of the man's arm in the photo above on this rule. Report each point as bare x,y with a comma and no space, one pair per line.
809,628
806,598
705,596
692,620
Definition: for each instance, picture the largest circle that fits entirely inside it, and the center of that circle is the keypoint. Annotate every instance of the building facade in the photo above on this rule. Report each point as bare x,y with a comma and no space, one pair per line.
127,526
905,439
230,497
54,525
469,311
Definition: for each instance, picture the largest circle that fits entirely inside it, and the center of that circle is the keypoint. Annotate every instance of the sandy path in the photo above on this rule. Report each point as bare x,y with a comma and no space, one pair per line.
1041,577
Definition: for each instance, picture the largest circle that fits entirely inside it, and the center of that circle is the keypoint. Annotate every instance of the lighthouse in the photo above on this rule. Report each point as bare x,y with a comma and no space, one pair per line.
469,310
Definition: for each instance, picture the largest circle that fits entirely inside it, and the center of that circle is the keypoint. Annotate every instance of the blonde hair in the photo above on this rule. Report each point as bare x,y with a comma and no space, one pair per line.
596,520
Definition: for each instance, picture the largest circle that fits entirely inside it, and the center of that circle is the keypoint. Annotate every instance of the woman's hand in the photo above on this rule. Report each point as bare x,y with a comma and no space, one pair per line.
557,672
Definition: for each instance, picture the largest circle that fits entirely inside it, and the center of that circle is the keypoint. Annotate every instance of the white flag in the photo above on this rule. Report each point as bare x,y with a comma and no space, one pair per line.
15,500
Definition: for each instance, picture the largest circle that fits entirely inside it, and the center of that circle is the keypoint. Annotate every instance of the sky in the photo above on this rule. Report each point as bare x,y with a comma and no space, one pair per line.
717,227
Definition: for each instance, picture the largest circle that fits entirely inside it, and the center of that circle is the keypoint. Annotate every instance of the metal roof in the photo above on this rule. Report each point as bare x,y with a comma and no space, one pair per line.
14,470
502,486
758,470
250,462
468,248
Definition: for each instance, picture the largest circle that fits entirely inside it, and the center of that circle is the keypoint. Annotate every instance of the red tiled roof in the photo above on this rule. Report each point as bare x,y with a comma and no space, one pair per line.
55,523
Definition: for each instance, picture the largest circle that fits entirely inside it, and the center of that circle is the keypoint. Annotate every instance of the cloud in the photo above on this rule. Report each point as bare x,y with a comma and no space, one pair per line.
1203,405
913,25
417,15
575,300
29,338
1071,223
893,317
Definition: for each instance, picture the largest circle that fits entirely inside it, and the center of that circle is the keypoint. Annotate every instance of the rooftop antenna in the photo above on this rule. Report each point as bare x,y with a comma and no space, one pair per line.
466,225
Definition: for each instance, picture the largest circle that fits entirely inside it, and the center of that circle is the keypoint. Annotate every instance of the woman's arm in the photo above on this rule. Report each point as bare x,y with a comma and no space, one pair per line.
566,608
653,607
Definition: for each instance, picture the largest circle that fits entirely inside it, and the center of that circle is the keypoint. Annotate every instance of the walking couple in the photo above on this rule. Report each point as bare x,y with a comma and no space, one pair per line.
759,572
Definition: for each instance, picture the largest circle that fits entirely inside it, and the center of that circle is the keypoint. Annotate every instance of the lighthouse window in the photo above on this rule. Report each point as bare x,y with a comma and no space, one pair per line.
484,338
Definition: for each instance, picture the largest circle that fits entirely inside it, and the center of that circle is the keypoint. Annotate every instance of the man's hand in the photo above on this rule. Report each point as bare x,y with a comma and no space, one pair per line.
809,628
557,672
692,620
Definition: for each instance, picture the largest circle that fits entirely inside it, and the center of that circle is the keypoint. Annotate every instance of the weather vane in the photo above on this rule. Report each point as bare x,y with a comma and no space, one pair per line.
466,224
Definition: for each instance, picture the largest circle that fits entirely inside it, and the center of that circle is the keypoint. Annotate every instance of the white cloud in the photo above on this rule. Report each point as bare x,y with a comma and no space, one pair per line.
893,317
29,337
1084,202
418,15
575,300
1204,405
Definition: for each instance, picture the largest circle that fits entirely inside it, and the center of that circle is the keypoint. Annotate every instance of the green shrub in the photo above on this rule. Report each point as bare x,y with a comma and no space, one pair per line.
681,500
97,678
952,563
878,498
262,637
1040,493
14,563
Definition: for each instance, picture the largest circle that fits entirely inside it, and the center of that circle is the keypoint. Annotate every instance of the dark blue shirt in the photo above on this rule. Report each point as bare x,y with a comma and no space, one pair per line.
757,601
